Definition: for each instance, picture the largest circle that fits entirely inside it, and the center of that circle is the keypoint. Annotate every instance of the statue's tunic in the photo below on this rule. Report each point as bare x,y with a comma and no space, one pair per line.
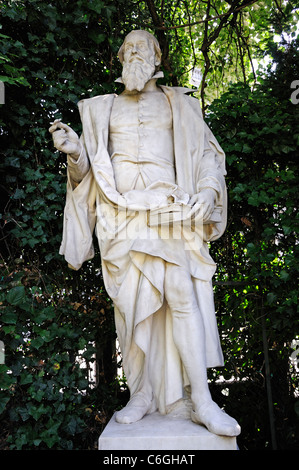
140,145
138,161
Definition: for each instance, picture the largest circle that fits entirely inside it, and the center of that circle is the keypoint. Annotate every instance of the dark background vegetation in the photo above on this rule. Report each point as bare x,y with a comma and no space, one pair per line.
56,324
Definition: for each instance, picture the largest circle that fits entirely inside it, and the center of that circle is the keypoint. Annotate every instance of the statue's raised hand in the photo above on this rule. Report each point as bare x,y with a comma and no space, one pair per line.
65,139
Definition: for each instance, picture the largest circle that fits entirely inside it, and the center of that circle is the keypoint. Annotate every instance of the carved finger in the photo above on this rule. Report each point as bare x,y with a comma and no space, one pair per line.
193,200
57,124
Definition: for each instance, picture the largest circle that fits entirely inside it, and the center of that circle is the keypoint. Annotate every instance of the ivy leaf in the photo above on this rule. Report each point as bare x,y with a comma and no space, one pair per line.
36,343
73,425
9,317
3,402
271,297
19,194
16,295
26,378
97,37
284,275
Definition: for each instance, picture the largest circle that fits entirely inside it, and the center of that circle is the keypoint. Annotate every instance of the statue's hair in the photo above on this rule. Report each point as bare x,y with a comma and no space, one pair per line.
151,37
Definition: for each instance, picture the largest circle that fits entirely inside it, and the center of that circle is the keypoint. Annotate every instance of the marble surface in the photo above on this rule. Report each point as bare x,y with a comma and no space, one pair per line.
148,176
162,432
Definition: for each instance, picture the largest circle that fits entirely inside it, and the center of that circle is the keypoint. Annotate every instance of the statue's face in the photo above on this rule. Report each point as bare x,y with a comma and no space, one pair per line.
138,61
139,49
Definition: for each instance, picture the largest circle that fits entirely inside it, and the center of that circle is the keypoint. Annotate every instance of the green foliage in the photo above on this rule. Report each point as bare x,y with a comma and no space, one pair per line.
257,278
223,39
54,55
46,398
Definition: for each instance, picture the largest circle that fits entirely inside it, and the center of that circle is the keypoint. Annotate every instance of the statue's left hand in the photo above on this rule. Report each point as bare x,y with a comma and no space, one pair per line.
203,203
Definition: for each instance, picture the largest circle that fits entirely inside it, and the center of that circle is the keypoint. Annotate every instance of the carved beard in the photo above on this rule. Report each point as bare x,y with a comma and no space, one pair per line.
136,74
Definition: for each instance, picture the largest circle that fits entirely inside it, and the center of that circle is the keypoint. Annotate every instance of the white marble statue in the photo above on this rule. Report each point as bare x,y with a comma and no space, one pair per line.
147,175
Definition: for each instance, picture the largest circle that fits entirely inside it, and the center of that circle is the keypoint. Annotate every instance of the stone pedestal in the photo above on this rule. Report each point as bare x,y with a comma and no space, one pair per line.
157,432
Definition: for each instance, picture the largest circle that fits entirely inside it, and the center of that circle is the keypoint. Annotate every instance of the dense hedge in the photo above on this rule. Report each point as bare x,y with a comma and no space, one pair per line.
52,56
46,399
257,277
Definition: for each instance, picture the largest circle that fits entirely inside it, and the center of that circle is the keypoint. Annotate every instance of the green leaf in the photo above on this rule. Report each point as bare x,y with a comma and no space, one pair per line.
36,343
96,5
246,148
253,199
4,399
24,413
97,37
271,297
26,378
284,275
37,411
19,194
9,317
16,295
9,329
73,425
36,442
6,378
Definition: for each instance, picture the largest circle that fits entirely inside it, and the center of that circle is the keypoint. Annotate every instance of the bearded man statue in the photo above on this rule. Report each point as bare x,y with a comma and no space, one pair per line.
148,176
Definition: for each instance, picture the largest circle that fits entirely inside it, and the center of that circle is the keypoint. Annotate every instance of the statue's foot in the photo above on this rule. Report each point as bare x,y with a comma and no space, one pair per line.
135,409
215,420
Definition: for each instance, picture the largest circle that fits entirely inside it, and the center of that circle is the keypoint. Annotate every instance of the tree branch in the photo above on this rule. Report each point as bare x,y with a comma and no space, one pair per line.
228,13
163,41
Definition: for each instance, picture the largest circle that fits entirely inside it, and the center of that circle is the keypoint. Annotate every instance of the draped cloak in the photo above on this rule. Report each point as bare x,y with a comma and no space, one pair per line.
134,252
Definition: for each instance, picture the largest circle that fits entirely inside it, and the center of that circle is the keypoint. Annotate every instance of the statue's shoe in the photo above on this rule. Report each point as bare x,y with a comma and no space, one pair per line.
135,409
216,420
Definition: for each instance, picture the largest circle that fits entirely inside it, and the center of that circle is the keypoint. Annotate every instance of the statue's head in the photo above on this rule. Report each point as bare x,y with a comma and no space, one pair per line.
140,56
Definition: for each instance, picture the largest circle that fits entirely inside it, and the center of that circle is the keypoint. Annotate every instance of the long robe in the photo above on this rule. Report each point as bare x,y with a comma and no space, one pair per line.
134,251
